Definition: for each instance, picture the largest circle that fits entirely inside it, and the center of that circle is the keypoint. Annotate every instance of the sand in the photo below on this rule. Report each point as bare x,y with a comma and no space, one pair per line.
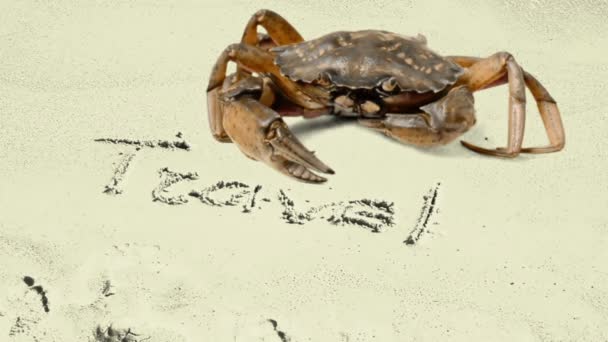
121,219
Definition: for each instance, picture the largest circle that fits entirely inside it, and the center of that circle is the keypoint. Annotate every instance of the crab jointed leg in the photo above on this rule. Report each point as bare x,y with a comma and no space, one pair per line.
547,107
279,30
495,70
491,70
257,60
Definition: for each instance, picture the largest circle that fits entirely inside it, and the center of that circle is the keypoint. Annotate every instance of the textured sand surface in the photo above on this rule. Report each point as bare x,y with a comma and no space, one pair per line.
115,227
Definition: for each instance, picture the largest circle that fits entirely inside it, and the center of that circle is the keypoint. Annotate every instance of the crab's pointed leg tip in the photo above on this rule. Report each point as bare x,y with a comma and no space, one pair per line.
468,145
331,172
320,181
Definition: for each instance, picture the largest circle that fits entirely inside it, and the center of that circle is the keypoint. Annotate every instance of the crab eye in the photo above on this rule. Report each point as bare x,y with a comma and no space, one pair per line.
324,78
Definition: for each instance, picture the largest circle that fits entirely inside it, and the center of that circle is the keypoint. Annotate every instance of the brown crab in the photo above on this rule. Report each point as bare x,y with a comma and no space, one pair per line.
392,83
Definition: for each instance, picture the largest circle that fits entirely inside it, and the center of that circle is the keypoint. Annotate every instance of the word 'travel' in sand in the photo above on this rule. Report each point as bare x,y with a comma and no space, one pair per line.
371,214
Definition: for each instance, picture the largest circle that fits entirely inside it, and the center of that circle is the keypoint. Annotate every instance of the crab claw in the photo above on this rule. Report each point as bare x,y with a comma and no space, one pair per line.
261,134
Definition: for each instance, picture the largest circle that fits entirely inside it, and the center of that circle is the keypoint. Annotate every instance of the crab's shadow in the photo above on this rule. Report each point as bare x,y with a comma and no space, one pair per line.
307,127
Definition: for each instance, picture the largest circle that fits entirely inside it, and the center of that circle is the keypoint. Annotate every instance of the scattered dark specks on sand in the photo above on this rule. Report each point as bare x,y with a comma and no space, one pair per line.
282,335
176,144
428,208
21,326
365,213
167,179
114,187
228,193
29,281
111,334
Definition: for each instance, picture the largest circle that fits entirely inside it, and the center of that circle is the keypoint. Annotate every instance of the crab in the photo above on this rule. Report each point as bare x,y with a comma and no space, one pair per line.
389,82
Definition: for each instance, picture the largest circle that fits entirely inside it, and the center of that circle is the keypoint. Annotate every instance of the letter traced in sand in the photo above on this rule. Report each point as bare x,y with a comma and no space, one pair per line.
114,187
29,281
176,144
106,290
167,179
111,334
281,334
247,207
428,208
234,193
374,215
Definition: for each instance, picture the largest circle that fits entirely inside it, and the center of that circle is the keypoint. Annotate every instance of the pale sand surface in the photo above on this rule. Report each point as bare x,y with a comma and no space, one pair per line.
513,250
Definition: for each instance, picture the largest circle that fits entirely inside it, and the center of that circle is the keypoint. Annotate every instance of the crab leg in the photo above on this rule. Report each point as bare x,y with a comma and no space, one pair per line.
261,134
487,72
253,59
215,110
547,107
279,30
464,61
257,60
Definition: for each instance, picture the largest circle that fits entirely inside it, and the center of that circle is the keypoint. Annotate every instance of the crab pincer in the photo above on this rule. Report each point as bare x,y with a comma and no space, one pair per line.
261,134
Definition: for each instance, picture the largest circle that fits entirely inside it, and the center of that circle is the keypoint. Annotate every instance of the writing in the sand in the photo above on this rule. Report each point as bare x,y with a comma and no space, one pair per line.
371,214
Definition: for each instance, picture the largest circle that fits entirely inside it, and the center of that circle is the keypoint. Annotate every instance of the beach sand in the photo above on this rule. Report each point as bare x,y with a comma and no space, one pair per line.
121,219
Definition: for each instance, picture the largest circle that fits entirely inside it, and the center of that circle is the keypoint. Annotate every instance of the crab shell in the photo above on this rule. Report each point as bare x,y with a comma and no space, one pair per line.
368,59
